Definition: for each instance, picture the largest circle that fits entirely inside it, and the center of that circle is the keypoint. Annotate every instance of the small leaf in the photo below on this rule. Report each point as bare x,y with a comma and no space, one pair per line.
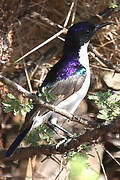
6,104
93,97
14,105
16,112
113,4
8,109
108,102
10,96
33,138
23,112
43,90
42,131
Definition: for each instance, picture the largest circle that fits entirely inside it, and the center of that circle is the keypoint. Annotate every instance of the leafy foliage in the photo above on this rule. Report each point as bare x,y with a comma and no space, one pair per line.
80,169
108,103
41,134
44,95
85,146
113,4
13,104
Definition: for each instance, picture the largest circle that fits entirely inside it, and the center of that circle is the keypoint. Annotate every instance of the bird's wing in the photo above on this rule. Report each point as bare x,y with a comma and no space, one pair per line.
66,87
60,91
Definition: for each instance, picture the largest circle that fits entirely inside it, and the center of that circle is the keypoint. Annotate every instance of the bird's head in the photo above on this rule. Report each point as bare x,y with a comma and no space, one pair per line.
81,33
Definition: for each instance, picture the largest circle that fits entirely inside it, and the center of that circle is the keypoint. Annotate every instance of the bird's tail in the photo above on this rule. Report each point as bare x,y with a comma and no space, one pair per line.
24,130
17,141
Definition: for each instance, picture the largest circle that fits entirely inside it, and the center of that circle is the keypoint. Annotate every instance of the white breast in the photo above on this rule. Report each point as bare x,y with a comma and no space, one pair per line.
72,102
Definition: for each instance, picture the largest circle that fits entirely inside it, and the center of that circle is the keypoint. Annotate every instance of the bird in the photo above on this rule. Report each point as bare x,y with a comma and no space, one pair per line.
68,80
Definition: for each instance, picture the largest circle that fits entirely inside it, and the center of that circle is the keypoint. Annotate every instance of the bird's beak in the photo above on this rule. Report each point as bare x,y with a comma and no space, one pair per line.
99,26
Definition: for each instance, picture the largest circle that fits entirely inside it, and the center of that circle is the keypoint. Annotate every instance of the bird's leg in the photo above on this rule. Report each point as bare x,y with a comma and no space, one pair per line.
51,126
63,130
54,125
64,139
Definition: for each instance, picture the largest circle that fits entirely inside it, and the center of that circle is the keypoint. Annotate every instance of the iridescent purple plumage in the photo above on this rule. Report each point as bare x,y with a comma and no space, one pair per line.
70,68
67,66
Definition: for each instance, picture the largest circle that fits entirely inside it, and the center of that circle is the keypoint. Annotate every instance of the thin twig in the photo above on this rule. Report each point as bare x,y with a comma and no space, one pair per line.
112,157
42,44
51,38
27,76
69,13
104,60
101,163
74,12
102,68
25,67
45,19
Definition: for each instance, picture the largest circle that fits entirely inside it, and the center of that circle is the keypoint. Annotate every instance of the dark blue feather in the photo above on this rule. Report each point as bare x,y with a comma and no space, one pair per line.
17,141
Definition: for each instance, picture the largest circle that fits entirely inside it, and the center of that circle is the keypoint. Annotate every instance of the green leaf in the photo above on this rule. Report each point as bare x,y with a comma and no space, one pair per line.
79,168
102,116
93,97
33,138
44,90
113,4
26,108
46,96
10,96
108,103
12,104
6,104
8,109
85,146
42,134
16,111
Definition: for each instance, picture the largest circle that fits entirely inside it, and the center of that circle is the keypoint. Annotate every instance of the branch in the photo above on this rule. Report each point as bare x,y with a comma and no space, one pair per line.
105,13
72,143
99,130
104,60
34,97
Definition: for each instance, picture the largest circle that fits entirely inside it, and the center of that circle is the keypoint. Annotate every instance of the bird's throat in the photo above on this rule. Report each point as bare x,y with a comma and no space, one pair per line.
83,56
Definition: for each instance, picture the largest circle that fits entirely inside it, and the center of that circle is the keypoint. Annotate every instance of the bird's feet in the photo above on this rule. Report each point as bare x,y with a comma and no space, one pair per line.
64,141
